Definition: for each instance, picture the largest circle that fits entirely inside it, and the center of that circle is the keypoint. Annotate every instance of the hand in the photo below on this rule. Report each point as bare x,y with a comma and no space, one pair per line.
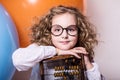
75,52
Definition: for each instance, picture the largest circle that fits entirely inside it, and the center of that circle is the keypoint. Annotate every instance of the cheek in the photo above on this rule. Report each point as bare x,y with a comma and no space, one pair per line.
74,39
54,39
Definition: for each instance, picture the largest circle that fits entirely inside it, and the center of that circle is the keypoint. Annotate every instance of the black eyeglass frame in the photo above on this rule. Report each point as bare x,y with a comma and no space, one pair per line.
65,29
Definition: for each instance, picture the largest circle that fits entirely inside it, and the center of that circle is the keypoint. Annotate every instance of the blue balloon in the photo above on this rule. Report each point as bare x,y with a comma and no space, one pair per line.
9,42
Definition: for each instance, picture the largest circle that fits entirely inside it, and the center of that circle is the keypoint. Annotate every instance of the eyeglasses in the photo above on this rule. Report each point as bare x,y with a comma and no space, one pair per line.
57,30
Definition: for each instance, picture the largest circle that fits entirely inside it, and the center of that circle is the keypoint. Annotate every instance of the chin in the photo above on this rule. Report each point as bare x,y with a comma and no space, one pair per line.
64,48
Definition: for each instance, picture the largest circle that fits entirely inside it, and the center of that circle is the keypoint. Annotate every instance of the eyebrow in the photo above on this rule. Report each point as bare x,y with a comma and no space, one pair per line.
61,26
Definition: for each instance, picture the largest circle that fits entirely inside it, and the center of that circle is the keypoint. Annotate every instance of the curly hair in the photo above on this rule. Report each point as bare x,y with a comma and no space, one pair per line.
41,31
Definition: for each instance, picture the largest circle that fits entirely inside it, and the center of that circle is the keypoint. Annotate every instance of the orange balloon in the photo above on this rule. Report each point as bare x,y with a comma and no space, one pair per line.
23,11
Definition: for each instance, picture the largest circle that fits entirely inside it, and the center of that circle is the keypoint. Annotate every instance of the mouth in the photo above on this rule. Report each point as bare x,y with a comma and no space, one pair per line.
64,42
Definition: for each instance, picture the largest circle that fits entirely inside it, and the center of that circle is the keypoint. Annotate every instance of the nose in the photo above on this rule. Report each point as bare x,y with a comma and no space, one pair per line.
64,34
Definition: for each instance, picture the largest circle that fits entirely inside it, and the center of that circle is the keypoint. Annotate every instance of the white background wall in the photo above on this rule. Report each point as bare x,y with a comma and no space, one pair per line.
105,14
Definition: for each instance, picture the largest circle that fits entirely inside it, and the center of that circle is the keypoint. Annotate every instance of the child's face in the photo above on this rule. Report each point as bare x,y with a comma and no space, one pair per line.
68,38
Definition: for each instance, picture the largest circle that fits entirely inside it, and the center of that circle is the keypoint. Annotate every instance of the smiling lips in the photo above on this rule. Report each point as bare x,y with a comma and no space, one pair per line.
64,42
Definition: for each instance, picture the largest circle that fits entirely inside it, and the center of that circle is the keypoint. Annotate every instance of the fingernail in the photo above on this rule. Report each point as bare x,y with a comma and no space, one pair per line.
79,57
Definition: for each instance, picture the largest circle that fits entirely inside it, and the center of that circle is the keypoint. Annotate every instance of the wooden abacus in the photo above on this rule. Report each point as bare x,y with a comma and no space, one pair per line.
63,68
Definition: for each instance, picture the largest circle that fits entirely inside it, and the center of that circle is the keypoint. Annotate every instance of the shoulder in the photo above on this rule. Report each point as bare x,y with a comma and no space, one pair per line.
32,45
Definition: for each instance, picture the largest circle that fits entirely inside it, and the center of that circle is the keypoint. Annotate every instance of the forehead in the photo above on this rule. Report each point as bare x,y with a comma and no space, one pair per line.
65,19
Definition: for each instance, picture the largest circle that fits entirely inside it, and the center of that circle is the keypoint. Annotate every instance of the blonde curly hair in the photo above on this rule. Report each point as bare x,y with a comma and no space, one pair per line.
41,31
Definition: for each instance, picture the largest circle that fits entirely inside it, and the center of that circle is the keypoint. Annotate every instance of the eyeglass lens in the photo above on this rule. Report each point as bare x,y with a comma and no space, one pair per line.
57,30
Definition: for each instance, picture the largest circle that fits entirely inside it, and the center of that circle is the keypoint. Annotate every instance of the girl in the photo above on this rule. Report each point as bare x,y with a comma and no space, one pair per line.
62,31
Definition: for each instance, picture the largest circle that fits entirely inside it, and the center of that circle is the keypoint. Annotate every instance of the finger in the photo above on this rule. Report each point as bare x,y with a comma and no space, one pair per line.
74,54
80,50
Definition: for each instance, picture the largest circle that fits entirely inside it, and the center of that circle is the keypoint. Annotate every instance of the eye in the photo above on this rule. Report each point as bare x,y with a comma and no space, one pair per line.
57,29
70,29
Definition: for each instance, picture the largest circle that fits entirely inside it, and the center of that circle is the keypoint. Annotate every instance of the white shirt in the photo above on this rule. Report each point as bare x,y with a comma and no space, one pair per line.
29,57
